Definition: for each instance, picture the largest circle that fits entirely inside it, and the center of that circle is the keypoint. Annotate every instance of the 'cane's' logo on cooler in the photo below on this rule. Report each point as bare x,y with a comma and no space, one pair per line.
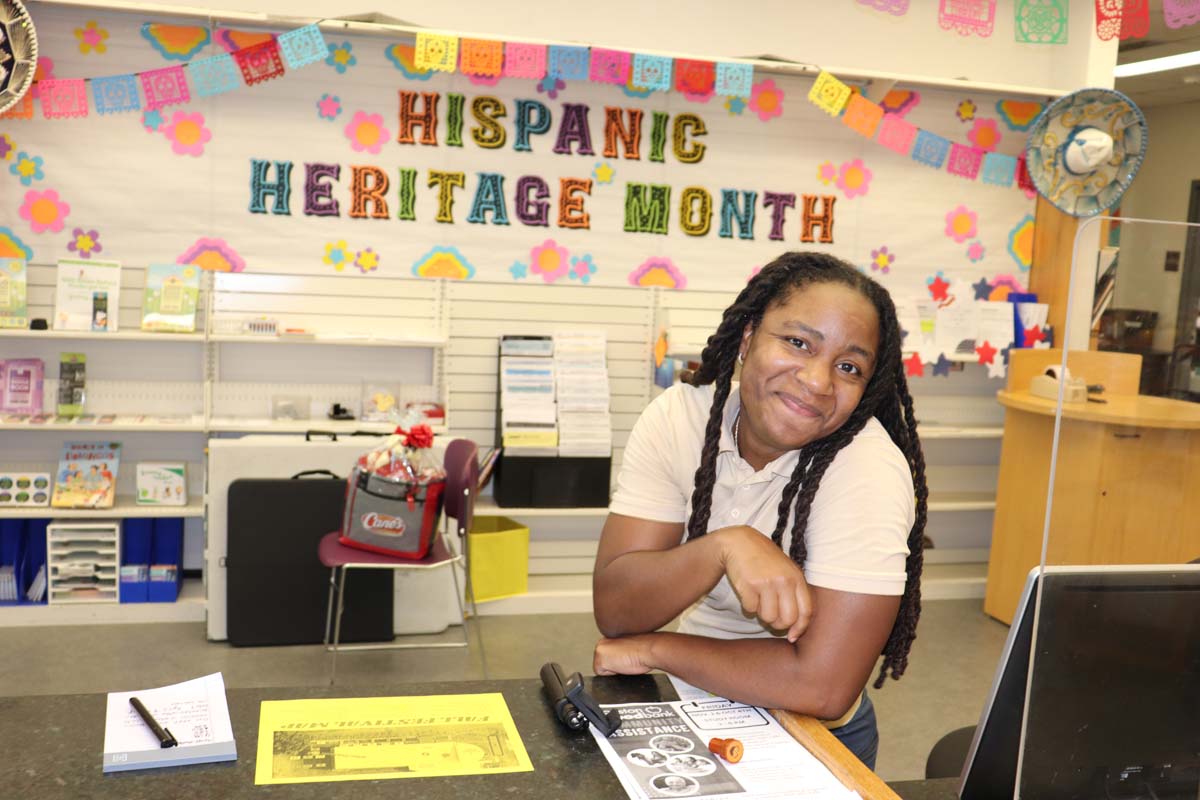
382,523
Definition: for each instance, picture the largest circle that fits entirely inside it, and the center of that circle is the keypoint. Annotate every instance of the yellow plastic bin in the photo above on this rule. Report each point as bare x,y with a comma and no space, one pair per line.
498,551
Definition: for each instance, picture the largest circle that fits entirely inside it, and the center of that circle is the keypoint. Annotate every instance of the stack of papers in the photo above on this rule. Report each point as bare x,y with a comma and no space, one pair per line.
196,714
581,383
528,417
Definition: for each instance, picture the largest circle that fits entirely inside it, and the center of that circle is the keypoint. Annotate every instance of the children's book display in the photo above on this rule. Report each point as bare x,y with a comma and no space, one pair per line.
24,489
21,381
87,295
161,484
170,299
13,310
87,475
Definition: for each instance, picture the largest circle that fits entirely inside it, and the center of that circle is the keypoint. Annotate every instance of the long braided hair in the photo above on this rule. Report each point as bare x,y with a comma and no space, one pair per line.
886,398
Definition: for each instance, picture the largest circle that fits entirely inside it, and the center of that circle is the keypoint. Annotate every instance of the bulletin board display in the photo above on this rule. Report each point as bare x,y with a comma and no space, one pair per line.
365,164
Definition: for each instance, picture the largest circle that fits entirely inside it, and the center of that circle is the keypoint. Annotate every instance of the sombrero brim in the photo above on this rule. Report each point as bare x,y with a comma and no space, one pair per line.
1101,189
18,52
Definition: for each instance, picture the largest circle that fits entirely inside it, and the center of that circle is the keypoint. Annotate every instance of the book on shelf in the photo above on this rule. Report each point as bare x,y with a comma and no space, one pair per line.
13,310
195,713
170,298
87,295
72,384
87,475
161,484
21,382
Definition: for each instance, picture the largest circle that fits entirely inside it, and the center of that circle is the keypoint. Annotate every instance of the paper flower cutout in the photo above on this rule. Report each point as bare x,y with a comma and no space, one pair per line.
827,173
961,224
84,243
603,173
985,134
91,38
366,132
635,91
336,254
329,107
966,110
7,147
519,271
27,168
766,99
366,260
44,71
483,80
341,57
404,58
232,41
444,262
152,120
175,42
187,133
582,268
976,251
44,211
550,260
1018,114
854,178
11,245
658,271
212,255
938,286
900,101
1020,243
881,260
551,85
735,105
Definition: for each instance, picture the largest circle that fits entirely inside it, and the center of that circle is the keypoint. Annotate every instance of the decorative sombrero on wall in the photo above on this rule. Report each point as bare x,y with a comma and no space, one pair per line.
18,52
1084,150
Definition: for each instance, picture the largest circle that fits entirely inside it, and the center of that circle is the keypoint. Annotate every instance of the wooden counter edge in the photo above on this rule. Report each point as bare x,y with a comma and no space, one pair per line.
816,739
1100,412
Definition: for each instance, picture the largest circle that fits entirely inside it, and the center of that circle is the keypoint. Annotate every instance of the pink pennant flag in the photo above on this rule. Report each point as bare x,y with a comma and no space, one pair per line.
524,61
63,98
164,87
964,160
610,66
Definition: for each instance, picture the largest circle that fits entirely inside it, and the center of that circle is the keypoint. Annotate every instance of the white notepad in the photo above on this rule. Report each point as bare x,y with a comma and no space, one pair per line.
195,712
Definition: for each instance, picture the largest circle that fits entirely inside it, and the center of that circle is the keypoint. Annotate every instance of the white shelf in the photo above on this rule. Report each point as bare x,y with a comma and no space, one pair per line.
127,423
188,608
123,508
962,501
933,431
487,505
112,336
264,425
246,338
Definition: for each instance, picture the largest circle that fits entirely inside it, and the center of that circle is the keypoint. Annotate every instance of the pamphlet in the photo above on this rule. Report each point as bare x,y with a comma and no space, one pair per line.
170,298
87,475
195,712
87,296
13,310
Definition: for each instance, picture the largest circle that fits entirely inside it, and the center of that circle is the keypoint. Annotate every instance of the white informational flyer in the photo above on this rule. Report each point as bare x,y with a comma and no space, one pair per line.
87,295
661,751
195,712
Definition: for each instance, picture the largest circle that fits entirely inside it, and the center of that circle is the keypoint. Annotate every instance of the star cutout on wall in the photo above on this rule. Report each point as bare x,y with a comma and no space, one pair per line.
913,367
938,288
1033,336
997,368
983,289
987,353
943,365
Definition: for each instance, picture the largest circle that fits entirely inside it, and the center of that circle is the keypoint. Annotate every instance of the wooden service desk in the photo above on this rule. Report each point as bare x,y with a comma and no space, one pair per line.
54,744
1124,489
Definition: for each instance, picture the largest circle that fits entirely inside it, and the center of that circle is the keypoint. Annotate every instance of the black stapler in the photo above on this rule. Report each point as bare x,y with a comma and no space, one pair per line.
573,706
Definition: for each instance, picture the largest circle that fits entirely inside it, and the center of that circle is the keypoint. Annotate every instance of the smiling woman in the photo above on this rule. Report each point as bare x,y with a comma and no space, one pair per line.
781,515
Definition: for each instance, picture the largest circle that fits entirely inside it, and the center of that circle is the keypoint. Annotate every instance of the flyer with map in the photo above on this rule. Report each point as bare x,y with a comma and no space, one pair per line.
661,751
369,738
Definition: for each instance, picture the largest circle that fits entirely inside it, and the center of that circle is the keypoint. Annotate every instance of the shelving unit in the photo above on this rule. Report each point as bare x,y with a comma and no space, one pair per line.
82,544
123,508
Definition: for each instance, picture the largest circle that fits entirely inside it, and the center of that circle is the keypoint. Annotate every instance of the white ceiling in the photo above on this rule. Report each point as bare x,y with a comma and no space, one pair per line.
1161,88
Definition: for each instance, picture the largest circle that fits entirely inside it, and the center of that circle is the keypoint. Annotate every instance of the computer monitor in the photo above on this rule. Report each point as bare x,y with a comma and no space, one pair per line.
1114,706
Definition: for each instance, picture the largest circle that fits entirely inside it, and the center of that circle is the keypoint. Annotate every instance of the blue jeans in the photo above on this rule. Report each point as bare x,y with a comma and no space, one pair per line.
861,733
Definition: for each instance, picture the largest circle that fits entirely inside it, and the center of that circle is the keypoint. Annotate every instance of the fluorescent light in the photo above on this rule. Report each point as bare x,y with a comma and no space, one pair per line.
1157,64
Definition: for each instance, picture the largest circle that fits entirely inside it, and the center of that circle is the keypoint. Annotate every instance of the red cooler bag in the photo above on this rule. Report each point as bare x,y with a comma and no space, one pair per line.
390,517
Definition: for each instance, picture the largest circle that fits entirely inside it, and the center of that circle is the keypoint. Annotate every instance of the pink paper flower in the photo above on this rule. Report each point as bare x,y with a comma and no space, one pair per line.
854,179
44,211
827,173
961,224
187,133
766,99
985,134
329,107
550,260
975,251
366,132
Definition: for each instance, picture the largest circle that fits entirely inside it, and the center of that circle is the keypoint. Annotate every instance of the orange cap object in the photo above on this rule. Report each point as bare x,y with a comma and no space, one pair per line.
729,749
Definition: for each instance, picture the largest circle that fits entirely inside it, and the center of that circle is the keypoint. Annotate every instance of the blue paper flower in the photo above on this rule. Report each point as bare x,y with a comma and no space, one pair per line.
519,270
341,57
28,168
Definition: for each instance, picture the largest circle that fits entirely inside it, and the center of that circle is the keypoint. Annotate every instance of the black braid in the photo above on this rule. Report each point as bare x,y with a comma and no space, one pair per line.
886,398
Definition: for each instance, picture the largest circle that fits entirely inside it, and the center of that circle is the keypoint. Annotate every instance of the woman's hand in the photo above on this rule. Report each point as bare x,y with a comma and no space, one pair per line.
628,655
768,583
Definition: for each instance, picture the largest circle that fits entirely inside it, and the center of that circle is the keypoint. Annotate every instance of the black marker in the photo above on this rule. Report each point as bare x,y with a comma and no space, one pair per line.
165,739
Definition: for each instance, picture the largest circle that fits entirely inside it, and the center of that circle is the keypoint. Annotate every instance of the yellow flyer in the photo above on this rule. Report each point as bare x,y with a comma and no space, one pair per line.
370,738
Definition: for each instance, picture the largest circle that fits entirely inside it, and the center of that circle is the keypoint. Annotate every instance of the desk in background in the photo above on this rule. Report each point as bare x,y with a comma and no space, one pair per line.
1124,489
53,746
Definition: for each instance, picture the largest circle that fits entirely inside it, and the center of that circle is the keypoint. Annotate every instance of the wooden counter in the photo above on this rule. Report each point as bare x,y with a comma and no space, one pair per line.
1125,490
